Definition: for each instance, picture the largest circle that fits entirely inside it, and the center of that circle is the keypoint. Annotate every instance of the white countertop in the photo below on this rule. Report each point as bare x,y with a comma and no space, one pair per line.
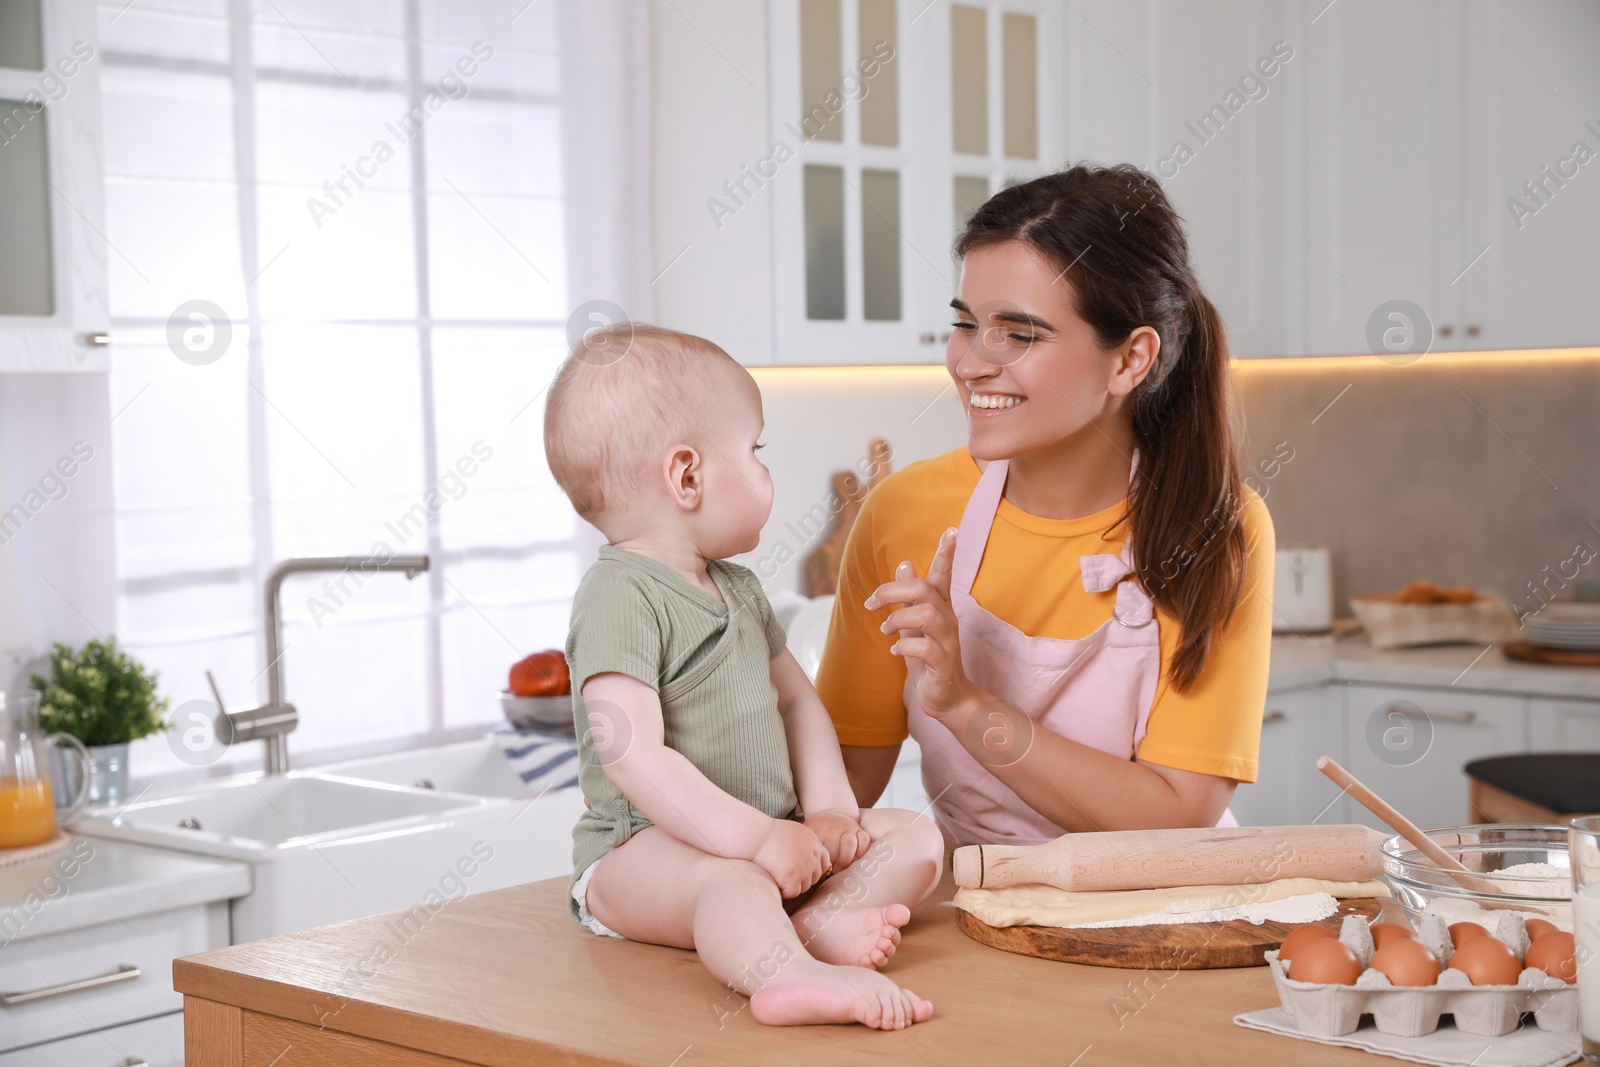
97,881
1303,662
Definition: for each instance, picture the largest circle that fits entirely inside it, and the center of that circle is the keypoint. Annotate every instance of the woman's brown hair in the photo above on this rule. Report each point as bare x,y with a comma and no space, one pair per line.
1121,246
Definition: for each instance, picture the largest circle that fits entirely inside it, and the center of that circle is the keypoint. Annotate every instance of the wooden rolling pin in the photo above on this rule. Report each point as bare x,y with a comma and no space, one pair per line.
1160,859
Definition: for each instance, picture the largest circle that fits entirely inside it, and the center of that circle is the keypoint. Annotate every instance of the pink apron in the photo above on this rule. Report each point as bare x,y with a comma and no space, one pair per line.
1096,691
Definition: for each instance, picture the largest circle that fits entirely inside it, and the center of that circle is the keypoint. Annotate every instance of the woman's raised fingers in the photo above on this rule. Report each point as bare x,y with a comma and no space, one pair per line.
904,591
943,561
925,649
923,617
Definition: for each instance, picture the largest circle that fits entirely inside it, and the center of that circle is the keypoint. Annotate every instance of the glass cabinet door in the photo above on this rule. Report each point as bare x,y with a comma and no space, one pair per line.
892,120
21,35
52,215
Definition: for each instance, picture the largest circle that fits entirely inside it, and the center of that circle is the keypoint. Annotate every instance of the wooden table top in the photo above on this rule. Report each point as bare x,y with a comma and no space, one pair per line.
508,978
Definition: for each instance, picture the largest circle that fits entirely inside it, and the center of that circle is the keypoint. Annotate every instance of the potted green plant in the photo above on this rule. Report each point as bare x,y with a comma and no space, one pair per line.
106,699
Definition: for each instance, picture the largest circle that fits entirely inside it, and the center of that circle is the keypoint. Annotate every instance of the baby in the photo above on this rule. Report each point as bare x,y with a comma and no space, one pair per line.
718,802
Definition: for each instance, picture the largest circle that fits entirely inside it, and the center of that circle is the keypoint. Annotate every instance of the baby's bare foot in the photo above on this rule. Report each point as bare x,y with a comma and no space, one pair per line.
853,937
831,994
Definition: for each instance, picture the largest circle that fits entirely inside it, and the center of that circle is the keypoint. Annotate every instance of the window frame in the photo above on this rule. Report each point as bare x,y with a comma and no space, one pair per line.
443,598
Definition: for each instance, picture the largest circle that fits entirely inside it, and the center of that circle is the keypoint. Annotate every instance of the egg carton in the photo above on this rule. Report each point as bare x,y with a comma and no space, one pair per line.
1411,1011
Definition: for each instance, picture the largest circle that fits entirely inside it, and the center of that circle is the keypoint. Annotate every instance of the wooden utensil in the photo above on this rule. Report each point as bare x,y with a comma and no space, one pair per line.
1403,826
1178,946
822,566
1161,859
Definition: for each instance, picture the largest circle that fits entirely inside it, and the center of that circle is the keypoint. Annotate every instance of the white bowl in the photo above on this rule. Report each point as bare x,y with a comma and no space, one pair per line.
536,712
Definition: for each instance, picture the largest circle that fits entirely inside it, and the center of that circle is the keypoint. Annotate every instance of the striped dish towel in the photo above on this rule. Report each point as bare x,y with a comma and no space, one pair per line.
543,762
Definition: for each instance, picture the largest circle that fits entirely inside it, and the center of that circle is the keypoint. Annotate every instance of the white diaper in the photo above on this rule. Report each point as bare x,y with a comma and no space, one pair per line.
580,891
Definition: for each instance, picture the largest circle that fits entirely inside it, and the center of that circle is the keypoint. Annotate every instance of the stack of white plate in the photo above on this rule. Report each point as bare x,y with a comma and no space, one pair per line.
1571,627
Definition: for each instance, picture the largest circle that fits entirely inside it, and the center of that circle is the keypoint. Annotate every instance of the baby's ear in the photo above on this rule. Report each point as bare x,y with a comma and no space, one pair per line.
685,479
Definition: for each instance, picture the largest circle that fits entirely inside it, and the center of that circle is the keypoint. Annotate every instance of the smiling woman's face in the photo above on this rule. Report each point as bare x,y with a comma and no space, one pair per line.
1029,371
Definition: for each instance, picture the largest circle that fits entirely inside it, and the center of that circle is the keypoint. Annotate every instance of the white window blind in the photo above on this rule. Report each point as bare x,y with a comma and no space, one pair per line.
371,193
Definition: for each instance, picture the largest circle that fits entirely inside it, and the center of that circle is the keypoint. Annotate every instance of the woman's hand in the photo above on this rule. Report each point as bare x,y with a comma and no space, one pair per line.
928,637
793,854
842,836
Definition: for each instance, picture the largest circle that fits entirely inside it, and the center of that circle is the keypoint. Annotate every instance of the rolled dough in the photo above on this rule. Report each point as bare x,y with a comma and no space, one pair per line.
1042,905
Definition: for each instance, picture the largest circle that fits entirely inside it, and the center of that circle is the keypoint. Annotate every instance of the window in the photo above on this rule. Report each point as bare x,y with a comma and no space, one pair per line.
337,291
892,121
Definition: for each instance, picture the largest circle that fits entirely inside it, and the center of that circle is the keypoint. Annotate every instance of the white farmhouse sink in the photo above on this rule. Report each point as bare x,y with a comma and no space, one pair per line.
475,768
326,847
245,816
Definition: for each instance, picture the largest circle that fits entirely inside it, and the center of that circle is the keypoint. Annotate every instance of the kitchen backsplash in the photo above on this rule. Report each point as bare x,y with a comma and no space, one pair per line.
1476,470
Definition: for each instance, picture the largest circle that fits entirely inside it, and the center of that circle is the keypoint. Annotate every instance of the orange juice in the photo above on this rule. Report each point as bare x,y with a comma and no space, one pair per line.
27,812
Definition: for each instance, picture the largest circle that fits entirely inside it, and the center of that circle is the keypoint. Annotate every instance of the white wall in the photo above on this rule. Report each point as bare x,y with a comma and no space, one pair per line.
710,100
821,421
57,572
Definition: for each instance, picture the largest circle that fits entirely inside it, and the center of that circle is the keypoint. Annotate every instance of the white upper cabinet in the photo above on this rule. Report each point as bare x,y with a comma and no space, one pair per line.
1381,123
1225,82
1328,159
1530,166
52,202
1425,124
891,120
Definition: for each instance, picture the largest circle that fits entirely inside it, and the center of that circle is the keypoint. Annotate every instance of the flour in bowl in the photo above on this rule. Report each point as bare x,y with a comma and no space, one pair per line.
1535,880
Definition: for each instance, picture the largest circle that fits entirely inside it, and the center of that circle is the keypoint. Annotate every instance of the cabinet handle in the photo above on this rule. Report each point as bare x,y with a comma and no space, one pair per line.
1473,331
94,340
1462,717
131,1062
1446,330
1274,716
126,973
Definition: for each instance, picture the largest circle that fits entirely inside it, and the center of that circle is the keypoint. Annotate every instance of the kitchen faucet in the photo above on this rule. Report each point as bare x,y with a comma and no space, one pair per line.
272,721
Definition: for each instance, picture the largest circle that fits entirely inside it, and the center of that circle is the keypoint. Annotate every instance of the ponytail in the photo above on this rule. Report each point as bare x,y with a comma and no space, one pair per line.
1115,235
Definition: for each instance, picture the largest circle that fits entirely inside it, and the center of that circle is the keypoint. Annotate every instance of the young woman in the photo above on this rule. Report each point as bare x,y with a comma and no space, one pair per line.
1072,614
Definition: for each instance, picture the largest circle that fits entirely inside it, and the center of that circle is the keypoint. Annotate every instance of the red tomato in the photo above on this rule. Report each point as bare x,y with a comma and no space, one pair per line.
543,674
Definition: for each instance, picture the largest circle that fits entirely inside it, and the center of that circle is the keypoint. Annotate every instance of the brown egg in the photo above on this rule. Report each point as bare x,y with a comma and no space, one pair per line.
1556,955
1383,933
1461,933
1406,962
1325,961
1486,961
1537,928
1299,936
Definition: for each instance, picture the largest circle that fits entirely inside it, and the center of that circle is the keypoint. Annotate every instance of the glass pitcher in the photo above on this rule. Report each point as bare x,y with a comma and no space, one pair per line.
28,814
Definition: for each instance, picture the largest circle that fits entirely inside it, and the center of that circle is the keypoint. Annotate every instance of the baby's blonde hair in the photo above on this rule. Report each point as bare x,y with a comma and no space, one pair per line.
621,394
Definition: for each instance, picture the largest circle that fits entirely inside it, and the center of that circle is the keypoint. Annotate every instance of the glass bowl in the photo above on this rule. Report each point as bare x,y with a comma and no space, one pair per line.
1488,850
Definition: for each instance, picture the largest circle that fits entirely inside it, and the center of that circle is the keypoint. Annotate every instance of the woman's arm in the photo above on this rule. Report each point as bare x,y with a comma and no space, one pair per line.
1071,784
858,681
1078,786
869,768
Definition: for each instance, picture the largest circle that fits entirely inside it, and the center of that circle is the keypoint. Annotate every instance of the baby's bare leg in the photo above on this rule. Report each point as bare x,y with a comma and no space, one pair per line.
855,916
655,888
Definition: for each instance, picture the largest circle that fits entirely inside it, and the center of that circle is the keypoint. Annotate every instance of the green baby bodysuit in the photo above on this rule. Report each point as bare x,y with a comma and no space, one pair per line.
710,662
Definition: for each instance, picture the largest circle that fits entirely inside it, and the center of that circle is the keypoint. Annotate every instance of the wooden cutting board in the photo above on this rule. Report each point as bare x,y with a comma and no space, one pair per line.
1188,947
1525,650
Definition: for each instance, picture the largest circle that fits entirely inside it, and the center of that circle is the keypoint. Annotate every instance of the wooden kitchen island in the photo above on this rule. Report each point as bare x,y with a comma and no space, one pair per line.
507,978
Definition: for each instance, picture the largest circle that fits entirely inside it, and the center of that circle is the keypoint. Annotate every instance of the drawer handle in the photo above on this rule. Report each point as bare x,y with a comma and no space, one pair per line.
126,973
1273,716
131,1062
1462,717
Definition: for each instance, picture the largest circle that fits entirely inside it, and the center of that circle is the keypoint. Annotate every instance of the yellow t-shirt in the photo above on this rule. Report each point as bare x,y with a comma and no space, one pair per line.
1030,577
